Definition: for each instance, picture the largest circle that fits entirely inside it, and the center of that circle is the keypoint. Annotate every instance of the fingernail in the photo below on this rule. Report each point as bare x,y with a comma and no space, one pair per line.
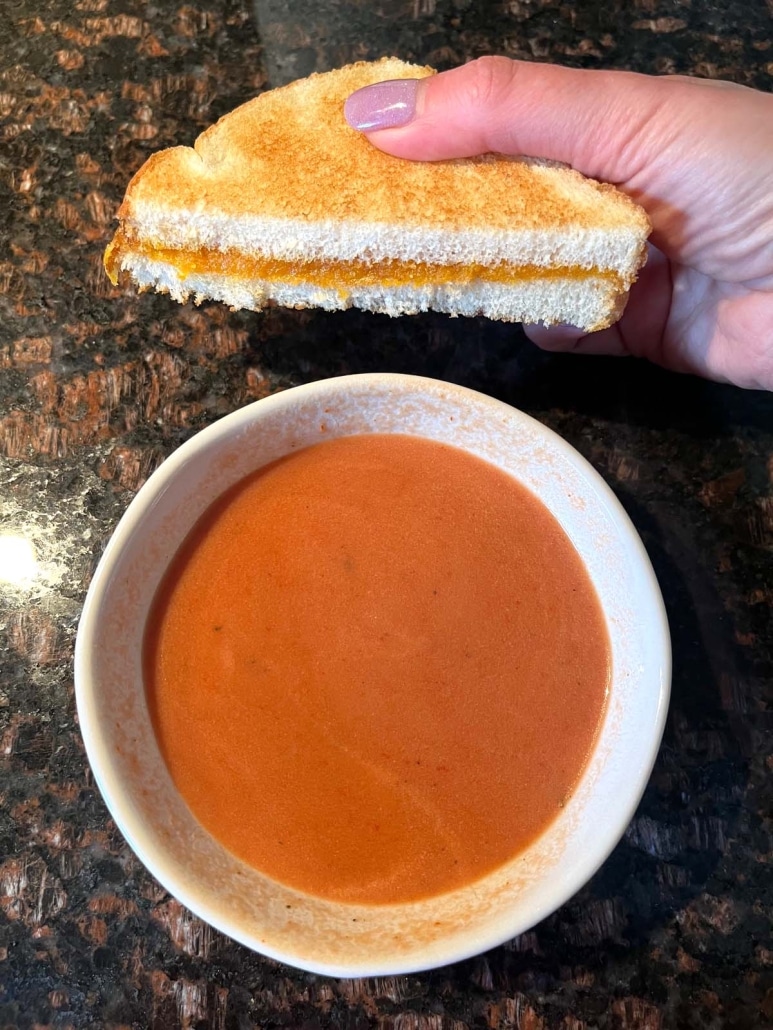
384,105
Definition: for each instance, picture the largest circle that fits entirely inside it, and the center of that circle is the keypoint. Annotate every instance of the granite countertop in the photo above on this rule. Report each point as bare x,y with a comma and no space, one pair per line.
98,386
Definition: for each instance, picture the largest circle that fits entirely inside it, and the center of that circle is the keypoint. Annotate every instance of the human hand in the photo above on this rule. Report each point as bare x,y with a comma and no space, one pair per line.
696,154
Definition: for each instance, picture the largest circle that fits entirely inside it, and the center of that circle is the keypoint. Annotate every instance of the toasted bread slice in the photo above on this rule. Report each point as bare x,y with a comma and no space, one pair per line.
282,201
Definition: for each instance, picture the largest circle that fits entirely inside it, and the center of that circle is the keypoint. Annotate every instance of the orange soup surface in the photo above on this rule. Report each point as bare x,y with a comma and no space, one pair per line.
376,669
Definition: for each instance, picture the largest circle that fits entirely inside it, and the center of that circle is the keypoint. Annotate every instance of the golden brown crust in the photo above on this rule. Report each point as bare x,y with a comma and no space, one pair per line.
290,154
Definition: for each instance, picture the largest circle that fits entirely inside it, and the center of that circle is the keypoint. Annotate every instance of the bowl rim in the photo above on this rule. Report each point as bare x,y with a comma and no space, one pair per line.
117,801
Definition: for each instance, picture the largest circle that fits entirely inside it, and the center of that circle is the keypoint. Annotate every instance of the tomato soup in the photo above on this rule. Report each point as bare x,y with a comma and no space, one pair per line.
376,669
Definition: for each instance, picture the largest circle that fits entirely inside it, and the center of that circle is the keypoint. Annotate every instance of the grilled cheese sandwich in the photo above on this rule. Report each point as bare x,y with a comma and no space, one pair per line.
281,201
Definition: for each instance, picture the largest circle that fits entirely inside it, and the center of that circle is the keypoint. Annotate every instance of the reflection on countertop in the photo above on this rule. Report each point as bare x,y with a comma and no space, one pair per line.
99,385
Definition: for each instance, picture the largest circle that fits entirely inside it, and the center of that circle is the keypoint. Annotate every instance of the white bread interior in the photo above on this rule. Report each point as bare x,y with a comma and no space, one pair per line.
583,302
615,249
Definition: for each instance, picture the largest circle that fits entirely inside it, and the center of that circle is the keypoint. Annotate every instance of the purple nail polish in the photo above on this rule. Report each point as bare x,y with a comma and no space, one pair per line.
384,105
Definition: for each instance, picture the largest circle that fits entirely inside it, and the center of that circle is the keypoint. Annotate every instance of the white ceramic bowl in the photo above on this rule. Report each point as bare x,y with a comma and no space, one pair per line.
319,935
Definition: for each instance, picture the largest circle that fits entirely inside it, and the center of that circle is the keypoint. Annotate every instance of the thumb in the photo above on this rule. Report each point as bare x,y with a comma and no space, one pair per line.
588,119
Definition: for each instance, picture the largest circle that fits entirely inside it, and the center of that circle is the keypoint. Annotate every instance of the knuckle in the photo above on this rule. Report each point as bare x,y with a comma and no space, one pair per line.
490,81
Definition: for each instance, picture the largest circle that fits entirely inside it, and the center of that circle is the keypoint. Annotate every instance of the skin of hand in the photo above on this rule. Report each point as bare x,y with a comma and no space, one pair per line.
697,154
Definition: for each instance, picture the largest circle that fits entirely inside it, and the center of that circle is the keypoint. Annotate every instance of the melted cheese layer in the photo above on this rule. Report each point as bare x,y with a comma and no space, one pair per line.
340,275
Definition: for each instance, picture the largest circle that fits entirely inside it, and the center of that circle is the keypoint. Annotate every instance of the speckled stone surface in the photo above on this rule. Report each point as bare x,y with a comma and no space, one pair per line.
97,386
